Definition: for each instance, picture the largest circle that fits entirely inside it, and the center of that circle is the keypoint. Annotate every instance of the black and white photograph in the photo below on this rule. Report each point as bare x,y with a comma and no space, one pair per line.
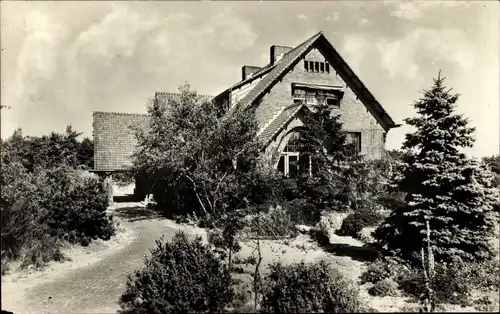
250,156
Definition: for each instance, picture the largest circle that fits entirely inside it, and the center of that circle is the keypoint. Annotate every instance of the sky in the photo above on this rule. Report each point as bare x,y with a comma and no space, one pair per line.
60,61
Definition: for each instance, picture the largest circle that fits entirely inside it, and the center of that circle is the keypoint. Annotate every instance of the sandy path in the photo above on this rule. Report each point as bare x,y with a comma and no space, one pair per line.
93,288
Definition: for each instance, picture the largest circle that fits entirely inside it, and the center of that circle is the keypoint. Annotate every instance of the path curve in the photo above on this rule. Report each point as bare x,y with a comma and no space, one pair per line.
96,288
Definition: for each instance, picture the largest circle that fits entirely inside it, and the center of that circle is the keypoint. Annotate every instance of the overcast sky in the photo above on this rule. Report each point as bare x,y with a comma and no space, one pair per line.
60,61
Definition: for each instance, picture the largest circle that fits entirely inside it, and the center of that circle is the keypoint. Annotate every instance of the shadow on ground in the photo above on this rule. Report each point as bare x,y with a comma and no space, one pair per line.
125,198
365,253
135,213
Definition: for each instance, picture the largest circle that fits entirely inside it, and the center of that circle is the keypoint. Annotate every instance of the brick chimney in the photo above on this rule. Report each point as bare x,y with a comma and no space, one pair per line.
277,52
247,71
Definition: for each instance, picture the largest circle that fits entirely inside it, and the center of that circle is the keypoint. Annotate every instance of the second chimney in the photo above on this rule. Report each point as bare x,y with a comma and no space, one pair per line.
277,52
247,71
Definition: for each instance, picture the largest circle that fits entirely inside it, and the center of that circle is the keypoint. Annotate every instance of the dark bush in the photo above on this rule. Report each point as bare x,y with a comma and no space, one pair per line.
358,220
180,276
76,208
375,272
383,288
308,288
303,212
320,235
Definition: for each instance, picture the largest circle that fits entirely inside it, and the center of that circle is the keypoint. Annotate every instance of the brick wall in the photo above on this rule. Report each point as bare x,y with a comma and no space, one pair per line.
354,115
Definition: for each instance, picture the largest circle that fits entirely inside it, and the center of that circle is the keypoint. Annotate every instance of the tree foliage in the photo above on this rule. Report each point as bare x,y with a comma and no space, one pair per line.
453,192
200,159
49,151
493,163
323,142
45,200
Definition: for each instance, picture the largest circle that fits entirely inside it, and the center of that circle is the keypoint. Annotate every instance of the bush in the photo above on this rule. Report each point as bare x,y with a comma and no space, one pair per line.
277,222
308,288
180,276
320,235
358,220
384,287
76,208
303,212
375,272
53,205
452,283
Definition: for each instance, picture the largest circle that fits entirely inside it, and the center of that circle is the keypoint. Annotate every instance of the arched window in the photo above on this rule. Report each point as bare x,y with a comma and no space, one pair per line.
292,162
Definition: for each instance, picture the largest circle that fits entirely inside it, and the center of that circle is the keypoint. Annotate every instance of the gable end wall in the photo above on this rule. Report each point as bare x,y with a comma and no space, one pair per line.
354,115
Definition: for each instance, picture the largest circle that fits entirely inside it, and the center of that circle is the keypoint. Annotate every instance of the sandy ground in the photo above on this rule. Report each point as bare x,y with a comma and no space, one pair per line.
96,275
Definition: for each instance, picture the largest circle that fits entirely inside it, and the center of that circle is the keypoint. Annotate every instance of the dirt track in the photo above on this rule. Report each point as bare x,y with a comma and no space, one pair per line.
94,288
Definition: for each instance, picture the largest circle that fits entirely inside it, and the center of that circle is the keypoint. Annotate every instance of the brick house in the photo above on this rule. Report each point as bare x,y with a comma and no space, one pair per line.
294,80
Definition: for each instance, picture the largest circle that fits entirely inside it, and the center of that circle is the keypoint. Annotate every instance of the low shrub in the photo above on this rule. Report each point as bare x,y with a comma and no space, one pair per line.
180,276
384,287
76,208
276,222
39,251
320,236
452,282
308,288
303,212
358,220
375,272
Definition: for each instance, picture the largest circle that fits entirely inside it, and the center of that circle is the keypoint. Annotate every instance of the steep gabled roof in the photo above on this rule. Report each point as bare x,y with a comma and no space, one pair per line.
114,135
278,123
114,138
280,68
290,59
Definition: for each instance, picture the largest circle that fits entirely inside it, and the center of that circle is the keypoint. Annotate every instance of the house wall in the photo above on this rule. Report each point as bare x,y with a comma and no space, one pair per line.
354,115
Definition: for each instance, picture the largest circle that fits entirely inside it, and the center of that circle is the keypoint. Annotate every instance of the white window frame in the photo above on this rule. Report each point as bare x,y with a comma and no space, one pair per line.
286,161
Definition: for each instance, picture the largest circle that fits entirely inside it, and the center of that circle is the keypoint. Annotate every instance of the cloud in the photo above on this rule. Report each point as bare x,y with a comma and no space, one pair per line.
354,47
335,16
230,32
416,9
436,45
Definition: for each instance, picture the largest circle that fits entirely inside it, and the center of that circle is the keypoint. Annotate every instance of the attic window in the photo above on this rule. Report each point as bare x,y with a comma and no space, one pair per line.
316,66
316,94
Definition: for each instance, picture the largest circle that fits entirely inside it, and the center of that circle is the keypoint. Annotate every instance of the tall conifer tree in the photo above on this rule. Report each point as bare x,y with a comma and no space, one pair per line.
453,192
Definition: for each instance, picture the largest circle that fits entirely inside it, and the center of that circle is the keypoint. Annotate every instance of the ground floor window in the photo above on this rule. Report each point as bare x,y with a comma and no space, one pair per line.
355,139
292,162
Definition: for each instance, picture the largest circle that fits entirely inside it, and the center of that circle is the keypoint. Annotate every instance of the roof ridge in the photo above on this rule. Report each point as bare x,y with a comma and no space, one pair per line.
111,113
263,85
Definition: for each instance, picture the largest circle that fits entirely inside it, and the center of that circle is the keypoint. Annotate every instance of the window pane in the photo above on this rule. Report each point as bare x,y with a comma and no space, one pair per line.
316,66
281,164
306,65
310,99
293,166
327,68
355,139
304,164
322,67
333,102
